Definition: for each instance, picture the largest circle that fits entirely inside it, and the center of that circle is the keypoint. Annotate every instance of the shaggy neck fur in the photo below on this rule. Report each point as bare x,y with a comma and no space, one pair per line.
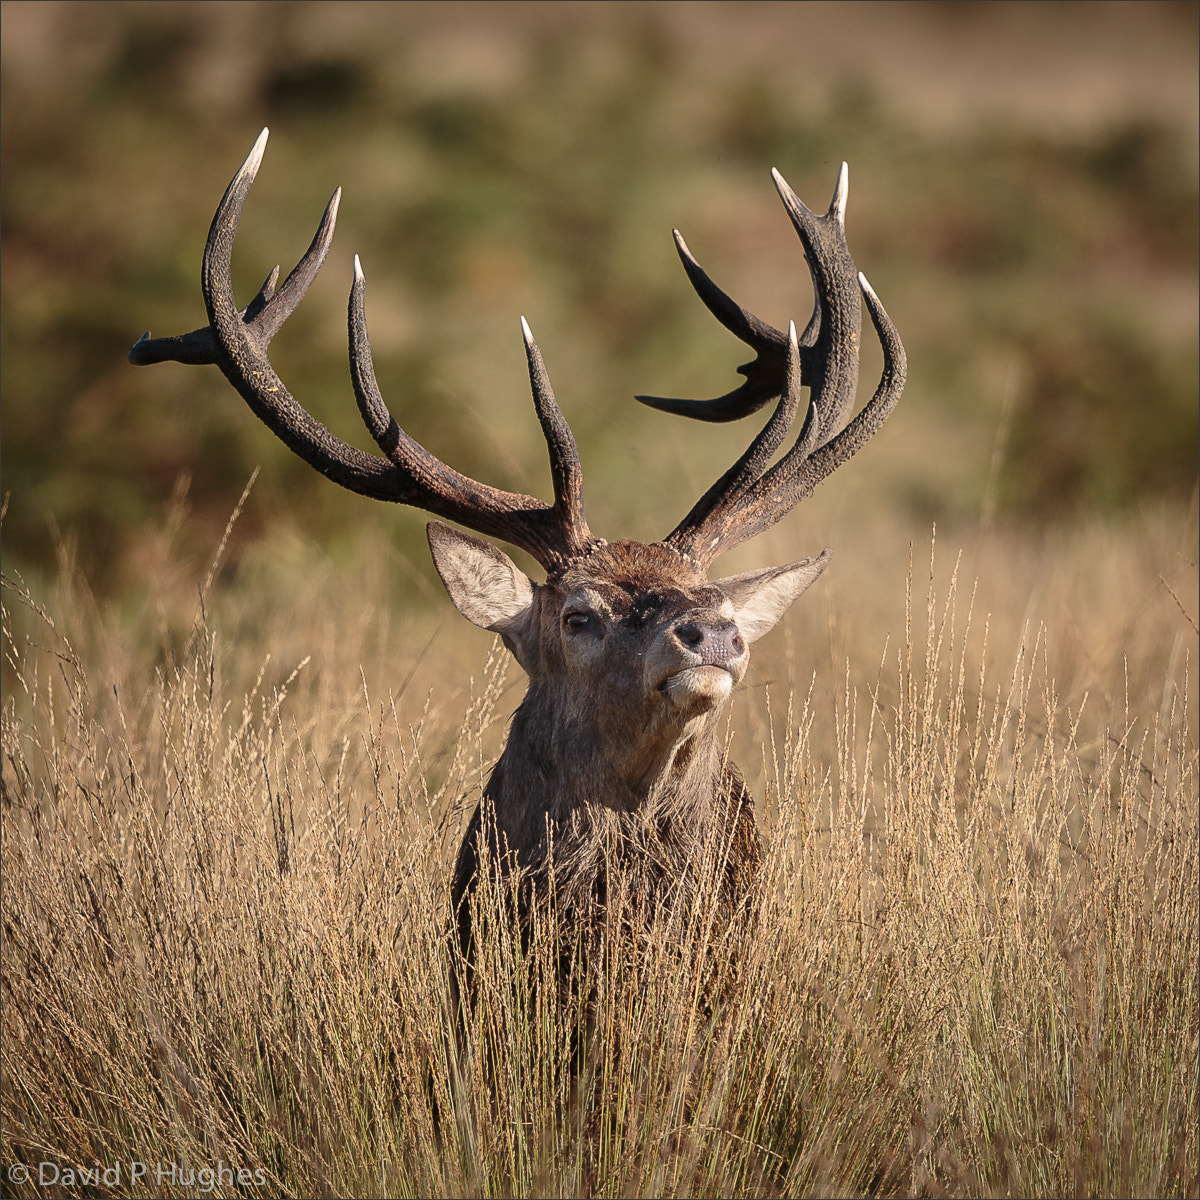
669,814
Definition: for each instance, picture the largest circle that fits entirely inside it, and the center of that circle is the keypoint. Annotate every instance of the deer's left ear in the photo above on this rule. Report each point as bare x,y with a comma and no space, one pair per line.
487,587
760,598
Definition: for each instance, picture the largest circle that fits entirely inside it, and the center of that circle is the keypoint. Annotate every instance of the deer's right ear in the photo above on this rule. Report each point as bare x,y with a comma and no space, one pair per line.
487,587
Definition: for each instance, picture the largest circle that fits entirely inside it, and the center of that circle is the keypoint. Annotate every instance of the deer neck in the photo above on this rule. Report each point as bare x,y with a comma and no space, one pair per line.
566,768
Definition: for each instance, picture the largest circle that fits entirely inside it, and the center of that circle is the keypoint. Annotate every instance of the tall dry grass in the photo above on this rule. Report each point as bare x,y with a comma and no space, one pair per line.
972,968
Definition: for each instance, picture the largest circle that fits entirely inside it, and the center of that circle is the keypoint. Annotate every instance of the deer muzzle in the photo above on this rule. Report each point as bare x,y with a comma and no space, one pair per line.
706,656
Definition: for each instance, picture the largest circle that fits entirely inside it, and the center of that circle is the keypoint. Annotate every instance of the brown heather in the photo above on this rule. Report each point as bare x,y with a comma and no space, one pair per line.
971,969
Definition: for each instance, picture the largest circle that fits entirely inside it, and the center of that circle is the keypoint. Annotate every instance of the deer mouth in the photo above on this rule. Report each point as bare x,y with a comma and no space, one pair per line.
697,684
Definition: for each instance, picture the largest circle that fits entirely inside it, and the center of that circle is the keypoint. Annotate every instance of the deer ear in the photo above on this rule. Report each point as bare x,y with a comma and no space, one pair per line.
487,587
760,598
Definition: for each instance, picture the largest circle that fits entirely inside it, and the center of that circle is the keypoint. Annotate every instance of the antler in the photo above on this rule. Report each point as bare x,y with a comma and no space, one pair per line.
237,342
752,495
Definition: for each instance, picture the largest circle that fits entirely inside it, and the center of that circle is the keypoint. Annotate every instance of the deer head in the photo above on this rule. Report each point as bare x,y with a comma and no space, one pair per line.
630,650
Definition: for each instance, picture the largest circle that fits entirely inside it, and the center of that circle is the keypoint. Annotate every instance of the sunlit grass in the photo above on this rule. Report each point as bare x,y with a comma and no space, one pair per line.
971,969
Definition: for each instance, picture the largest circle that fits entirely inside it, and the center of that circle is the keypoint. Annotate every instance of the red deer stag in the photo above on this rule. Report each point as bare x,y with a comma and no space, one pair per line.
613,761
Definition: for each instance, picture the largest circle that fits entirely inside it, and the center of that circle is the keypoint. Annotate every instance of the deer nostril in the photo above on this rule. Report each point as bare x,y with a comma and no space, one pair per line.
717,642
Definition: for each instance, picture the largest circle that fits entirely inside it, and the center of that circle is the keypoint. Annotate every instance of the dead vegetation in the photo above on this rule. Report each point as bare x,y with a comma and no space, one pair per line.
971,970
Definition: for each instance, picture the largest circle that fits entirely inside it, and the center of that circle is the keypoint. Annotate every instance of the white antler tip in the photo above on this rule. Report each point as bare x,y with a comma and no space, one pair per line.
868,290
358,271
840,194
254,158
526,332
791,201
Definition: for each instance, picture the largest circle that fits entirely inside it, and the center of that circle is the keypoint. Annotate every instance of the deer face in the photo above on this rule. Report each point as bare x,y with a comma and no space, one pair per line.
636,650
654,639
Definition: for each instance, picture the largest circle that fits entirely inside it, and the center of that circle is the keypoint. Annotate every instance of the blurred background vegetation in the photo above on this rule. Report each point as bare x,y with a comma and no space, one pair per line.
1023,198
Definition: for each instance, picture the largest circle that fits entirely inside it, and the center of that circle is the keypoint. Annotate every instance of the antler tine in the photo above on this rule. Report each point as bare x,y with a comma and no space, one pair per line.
267,312
764,374
551,534
821,462
237,342
241,351
565,469
836,325
723,496
752,495
752,509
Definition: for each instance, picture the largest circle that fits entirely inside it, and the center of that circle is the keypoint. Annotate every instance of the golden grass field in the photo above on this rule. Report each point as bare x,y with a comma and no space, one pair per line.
972,970
241,738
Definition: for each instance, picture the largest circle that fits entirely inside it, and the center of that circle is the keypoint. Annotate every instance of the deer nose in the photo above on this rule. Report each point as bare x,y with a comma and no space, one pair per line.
718,643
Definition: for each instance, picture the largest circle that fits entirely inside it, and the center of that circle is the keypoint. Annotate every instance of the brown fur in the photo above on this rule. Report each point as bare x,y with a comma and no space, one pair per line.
604,773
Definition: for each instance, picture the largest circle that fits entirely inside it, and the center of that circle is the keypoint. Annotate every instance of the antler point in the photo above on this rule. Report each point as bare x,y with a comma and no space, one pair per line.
841,193
254,158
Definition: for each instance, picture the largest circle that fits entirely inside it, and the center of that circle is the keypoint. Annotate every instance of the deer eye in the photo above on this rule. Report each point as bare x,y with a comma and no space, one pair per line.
577,622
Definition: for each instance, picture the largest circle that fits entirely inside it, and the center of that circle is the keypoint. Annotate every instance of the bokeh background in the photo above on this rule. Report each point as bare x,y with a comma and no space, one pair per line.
1023,198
